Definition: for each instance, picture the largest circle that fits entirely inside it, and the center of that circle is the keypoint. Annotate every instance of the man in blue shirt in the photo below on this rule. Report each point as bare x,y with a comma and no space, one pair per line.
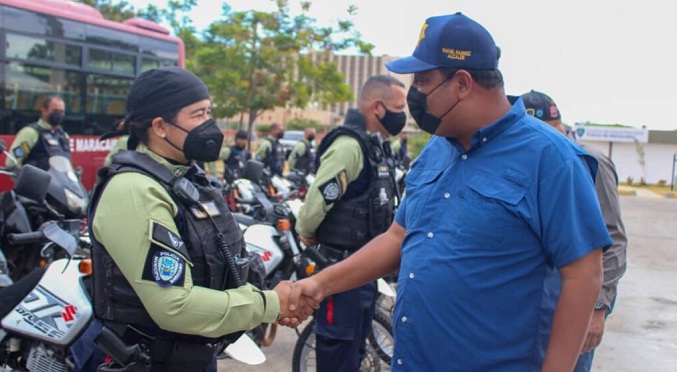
486,222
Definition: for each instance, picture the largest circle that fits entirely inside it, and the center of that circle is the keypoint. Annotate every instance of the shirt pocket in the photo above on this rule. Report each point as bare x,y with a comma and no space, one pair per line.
419,188
498,200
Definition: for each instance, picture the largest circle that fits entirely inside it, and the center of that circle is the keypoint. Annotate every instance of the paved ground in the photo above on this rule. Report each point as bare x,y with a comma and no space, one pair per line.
641,334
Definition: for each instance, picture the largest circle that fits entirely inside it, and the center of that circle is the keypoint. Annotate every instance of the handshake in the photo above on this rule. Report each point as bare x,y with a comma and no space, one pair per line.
298,300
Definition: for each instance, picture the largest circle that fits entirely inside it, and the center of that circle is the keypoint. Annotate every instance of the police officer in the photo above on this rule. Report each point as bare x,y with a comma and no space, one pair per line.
169,259
302,156
351,202
37,142
235,157
271,151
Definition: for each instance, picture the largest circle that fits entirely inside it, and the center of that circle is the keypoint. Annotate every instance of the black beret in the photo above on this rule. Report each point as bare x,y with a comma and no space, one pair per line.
163,90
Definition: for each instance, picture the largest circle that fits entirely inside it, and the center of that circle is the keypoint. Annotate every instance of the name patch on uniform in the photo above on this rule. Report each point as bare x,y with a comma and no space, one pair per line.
383,171
209,207
167,268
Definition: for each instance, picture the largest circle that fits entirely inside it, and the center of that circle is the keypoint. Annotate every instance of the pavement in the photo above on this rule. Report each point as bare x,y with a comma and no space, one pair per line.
641,333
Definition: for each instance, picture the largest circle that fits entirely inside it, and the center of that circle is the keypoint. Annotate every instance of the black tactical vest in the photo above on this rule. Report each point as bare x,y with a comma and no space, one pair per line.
275,158
50,143
235,163
306,161
367,208
114,298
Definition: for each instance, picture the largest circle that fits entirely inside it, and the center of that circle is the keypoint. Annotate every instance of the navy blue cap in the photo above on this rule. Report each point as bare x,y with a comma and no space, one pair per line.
541,106
452,41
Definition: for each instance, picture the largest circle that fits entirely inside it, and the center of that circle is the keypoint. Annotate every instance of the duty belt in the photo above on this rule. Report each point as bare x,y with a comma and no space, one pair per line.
335,254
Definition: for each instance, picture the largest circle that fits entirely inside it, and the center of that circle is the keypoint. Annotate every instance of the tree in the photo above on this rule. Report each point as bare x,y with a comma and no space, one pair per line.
255,61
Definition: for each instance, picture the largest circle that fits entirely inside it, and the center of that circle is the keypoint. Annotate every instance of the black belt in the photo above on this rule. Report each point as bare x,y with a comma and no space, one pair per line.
335,254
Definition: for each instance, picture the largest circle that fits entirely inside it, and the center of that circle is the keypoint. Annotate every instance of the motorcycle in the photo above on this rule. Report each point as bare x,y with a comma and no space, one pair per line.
300,182
41,316
39,196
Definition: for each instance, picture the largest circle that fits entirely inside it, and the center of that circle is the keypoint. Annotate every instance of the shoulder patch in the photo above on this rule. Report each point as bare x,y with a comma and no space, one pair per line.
331,191
19,152
164,267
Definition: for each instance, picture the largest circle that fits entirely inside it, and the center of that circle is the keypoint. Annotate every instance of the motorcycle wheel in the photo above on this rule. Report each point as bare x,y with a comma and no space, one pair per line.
381,337
304,360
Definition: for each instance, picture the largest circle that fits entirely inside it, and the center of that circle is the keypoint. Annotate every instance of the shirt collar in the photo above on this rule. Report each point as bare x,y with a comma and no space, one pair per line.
490,132
45,125
176,169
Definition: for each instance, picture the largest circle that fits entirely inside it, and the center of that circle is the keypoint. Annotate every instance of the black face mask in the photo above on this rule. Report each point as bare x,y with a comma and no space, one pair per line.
203,143
392,121
311,138
280,135
418,108
55,118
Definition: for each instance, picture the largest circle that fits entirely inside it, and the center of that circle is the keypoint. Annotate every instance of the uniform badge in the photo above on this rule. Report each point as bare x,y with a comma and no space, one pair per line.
330,191
209,207
167,268
19,152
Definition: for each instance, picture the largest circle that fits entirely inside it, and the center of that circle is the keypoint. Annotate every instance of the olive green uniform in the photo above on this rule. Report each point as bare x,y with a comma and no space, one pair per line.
298,151
265,148
120,145
24,141
128,206
342,162
223,155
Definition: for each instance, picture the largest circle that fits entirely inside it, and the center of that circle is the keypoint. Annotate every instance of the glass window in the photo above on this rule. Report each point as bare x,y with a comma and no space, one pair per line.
112,61
160,48
149,64
107,94
25,87
25,47
112,38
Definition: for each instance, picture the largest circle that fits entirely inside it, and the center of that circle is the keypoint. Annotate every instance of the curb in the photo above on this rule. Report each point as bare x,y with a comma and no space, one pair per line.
625,191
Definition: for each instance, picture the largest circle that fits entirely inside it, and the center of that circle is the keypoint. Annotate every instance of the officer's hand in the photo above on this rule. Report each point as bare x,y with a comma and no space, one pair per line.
306,292
293,316
309,242
595,331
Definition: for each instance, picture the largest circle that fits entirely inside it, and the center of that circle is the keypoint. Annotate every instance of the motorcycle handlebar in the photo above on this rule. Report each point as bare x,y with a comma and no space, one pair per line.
316,256
26,238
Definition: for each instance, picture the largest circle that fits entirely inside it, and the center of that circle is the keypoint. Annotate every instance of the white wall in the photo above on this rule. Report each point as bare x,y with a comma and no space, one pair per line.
658,160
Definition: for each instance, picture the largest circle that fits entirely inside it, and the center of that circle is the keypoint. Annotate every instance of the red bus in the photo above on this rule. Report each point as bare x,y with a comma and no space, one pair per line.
66,48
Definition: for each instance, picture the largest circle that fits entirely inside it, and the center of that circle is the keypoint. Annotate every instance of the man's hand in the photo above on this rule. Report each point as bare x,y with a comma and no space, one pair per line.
309,242
302,309
595,331
303,294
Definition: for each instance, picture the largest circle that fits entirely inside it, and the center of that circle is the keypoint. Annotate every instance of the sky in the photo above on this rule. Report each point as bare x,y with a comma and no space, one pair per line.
602,61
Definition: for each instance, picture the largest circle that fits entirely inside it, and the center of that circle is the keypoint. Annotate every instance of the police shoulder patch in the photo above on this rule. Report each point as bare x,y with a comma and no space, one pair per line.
330,191
164,267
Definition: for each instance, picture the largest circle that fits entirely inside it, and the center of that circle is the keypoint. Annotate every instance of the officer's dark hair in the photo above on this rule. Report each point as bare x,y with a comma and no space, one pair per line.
241,134
48,100
139,129
484,78
376,85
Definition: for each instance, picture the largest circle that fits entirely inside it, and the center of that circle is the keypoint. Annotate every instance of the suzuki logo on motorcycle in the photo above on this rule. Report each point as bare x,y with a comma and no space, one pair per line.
68,313
265,256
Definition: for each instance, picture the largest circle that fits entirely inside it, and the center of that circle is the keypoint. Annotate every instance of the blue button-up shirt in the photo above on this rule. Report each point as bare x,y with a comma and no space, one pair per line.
485,229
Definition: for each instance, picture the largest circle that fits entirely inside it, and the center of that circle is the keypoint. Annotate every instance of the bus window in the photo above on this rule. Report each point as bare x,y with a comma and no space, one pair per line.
107,94
26,86
111,61
30,48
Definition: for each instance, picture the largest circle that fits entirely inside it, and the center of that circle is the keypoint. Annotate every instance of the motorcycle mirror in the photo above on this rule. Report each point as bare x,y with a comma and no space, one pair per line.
32,183
3,146
253,171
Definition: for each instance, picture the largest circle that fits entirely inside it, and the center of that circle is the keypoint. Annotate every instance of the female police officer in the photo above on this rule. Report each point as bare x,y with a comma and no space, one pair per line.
169,258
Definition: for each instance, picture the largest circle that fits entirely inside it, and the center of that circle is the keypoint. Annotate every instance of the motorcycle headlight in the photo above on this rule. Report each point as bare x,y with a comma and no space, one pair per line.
75,203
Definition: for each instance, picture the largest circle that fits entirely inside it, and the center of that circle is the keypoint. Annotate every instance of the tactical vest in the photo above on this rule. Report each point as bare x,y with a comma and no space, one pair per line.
114,298
50,143
306,162
235,163
367,208
275,158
